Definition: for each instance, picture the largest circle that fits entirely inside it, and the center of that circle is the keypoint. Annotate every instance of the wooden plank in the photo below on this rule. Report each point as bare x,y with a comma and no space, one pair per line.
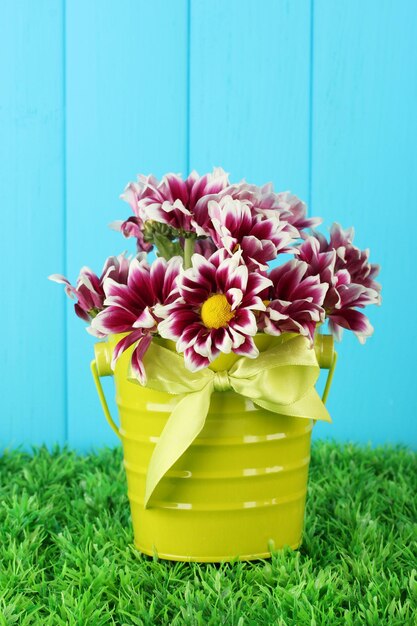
31,223
126,101
250,86
365,174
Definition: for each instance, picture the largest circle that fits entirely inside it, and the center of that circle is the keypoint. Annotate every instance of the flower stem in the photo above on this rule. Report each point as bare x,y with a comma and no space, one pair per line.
188,251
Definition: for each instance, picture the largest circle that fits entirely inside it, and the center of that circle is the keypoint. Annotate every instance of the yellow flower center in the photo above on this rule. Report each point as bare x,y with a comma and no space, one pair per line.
216,312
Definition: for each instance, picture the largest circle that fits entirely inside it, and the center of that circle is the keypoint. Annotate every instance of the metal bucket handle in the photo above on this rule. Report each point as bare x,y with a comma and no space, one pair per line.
101,366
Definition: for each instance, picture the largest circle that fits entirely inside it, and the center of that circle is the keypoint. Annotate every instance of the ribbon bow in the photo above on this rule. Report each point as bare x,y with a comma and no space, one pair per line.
281,380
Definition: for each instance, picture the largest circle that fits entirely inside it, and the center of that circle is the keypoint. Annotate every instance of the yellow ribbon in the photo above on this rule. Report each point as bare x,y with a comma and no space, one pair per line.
281,380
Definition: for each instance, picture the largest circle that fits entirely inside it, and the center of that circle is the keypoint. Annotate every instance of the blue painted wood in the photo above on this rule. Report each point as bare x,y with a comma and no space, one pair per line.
126,113
136,101
32,318
364,171
250,85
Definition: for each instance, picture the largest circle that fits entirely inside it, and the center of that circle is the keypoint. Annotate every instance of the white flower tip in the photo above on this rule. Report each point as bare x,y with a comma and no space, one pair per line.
56,278
94,332
142,257
253,354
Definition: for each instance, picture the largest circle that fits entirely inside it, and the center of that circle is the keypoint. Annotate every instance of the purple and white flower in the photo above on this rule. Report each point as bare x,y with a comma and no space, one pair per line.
205,246
296,301
344,314
182,204
234,225
89,291
267,202
350,278
215,310
133,227
347,257
354,260
291,209
226,296
130,307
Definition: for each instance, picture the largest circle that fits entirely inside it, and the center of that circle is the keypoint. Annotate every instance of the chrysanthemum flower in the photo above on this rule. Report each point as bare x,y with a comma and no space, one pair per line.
344,313
320,260
182,204
268,203
215,309
349,257
130,307
235,225
350,277
290,208
133,227
205,246
354,260
296,300
89,291
322,264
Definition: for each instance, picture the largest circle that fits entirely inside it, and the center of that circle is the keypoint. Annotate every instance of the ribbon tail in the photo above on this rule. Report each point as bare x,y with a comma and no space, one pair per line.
184,424
310,406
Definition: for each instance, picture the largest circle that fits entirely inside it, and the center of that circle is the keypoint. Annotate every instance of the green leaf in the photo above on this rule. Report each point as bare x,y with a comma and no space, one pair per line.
165,247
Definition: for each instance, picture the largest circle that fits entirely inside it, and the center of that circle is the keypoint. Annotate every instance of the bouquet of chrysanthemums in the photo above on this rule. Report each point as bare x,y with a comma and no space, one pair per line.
207,272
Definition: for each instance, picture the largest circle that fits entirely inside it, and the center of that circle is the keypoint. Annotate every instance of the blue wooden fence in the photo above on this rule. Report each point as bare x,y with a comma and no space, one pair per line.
318,96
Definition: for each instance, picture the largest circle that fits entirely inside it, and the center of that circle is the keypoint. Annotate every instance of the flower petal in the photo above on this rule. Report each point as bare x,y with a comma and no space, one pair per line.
247,348
124,344
137,367
194,361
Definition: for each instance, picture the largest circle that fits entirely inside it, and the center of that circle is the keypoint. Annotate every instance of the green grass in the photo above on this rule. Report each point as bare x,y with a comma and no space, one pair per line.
66,552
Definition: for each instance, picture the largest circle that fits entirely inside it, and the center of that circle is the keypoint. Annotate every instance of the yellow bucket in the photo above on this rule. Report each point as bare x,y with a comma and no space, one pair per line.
237,492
